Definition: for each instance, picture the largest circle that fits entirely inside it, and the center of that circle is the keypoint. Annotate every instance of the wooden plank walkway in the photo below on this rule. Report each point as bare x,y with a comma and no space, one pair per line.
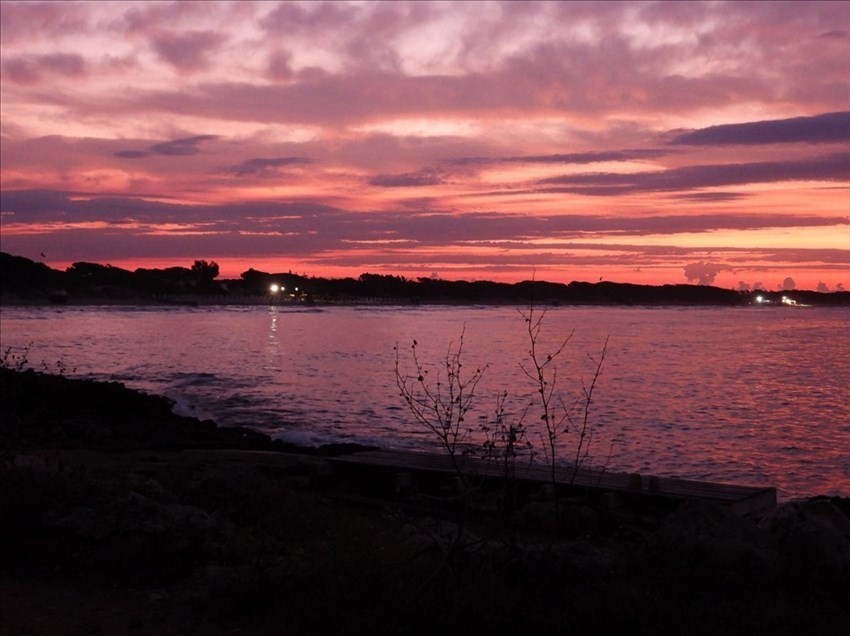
740,499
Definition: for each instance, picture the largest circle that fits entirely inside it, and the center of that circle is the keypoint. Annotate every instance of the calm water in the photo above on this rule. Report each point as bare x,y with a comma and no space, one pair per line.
745,395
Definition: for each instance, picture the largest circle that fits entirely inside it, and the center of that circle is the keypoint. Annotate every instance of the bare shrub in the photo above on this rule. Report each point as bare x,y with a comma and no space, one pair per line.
441,403
559,417
564,426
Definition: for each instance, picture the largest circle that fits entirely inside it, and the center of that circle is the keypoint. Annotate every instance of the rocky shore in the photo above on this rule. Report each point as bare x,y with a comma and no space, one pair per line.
122,517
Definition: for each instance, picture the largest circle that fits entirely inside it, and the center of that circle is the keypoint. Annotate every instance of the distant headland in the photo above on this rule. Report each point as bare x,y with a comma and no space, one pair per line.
23,281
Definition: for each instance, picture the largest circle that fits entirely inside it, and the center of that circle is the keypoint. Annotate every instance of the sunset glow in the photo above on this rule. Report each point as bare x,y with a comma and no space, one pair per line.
644,142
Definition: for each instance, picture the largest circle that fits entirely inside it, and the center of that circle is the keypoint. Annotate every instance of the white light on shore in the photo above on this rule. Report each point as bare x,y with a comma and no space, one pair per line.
275,288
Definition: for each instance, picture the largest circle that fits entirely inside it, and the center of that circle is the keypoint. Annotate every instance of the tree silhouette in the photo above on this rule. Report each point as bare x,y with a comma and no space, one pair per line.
205,271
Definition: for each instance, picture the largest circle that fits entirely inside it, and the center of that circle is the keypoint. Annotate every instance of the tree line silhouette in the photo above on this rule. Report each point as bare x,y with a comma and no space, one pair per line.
30,281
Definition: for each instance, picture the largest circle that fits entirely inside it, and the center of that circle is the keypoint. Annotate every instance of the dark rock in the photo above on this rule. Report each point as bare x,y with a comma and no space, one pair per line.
842,503
83,522
132,514
712,536
51,411
812,534
568,558
133,537
339,448
571,520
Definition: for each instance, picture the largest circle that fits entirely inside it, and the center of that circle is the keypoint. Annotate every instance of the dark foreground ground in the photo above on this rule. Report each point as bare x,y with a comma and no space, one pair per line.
118,517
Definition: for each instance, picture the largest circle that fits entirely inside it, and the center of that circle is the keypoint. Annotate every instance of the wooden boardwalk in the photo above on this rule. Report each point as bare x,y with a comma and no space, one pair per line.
417,465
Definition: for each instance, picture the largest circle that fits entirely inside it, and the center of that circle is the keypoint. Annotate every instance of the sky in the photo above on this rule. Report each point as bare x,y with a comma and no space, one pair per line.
641,142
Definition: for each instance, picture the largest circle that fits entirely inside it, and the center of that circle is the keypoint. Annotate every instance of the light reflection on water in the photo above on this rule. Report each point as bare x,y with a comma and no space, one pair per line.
748,395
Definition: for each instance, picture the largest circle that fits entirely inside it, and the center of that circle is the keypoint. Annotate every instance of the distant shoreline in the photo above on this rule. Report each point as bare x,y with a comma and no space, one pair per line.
24,282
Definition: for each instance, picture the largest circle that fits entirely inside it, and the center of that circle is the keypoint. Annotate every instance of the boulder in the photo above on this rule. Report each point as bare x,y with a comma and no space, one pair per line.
813,534
713,536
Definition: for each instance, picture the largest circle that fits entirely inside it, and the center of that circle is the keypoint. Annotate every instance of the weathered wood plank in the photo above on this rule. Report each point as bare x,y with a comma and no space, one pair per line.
743,499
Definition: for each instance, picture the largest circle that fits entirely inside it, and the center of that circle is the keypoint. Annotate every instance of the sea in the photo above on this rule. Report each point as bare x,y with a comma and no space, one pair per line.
747,395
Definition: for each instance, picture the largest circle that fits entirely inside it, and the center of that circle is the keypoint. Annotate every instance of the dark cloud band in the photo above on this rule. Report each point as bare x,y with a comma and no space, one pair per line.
826,128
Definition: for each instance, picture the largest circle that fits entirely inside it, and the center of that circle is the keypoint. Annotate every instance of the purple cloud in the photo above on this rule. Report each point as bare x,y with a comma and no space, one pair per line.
289,16
835,35
410,179
833,167
826,128
21,70
131,154
371,94
183,147
187,52
262,166
568,158
704,273
53,19
279,67
711,196
313,216
31,69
